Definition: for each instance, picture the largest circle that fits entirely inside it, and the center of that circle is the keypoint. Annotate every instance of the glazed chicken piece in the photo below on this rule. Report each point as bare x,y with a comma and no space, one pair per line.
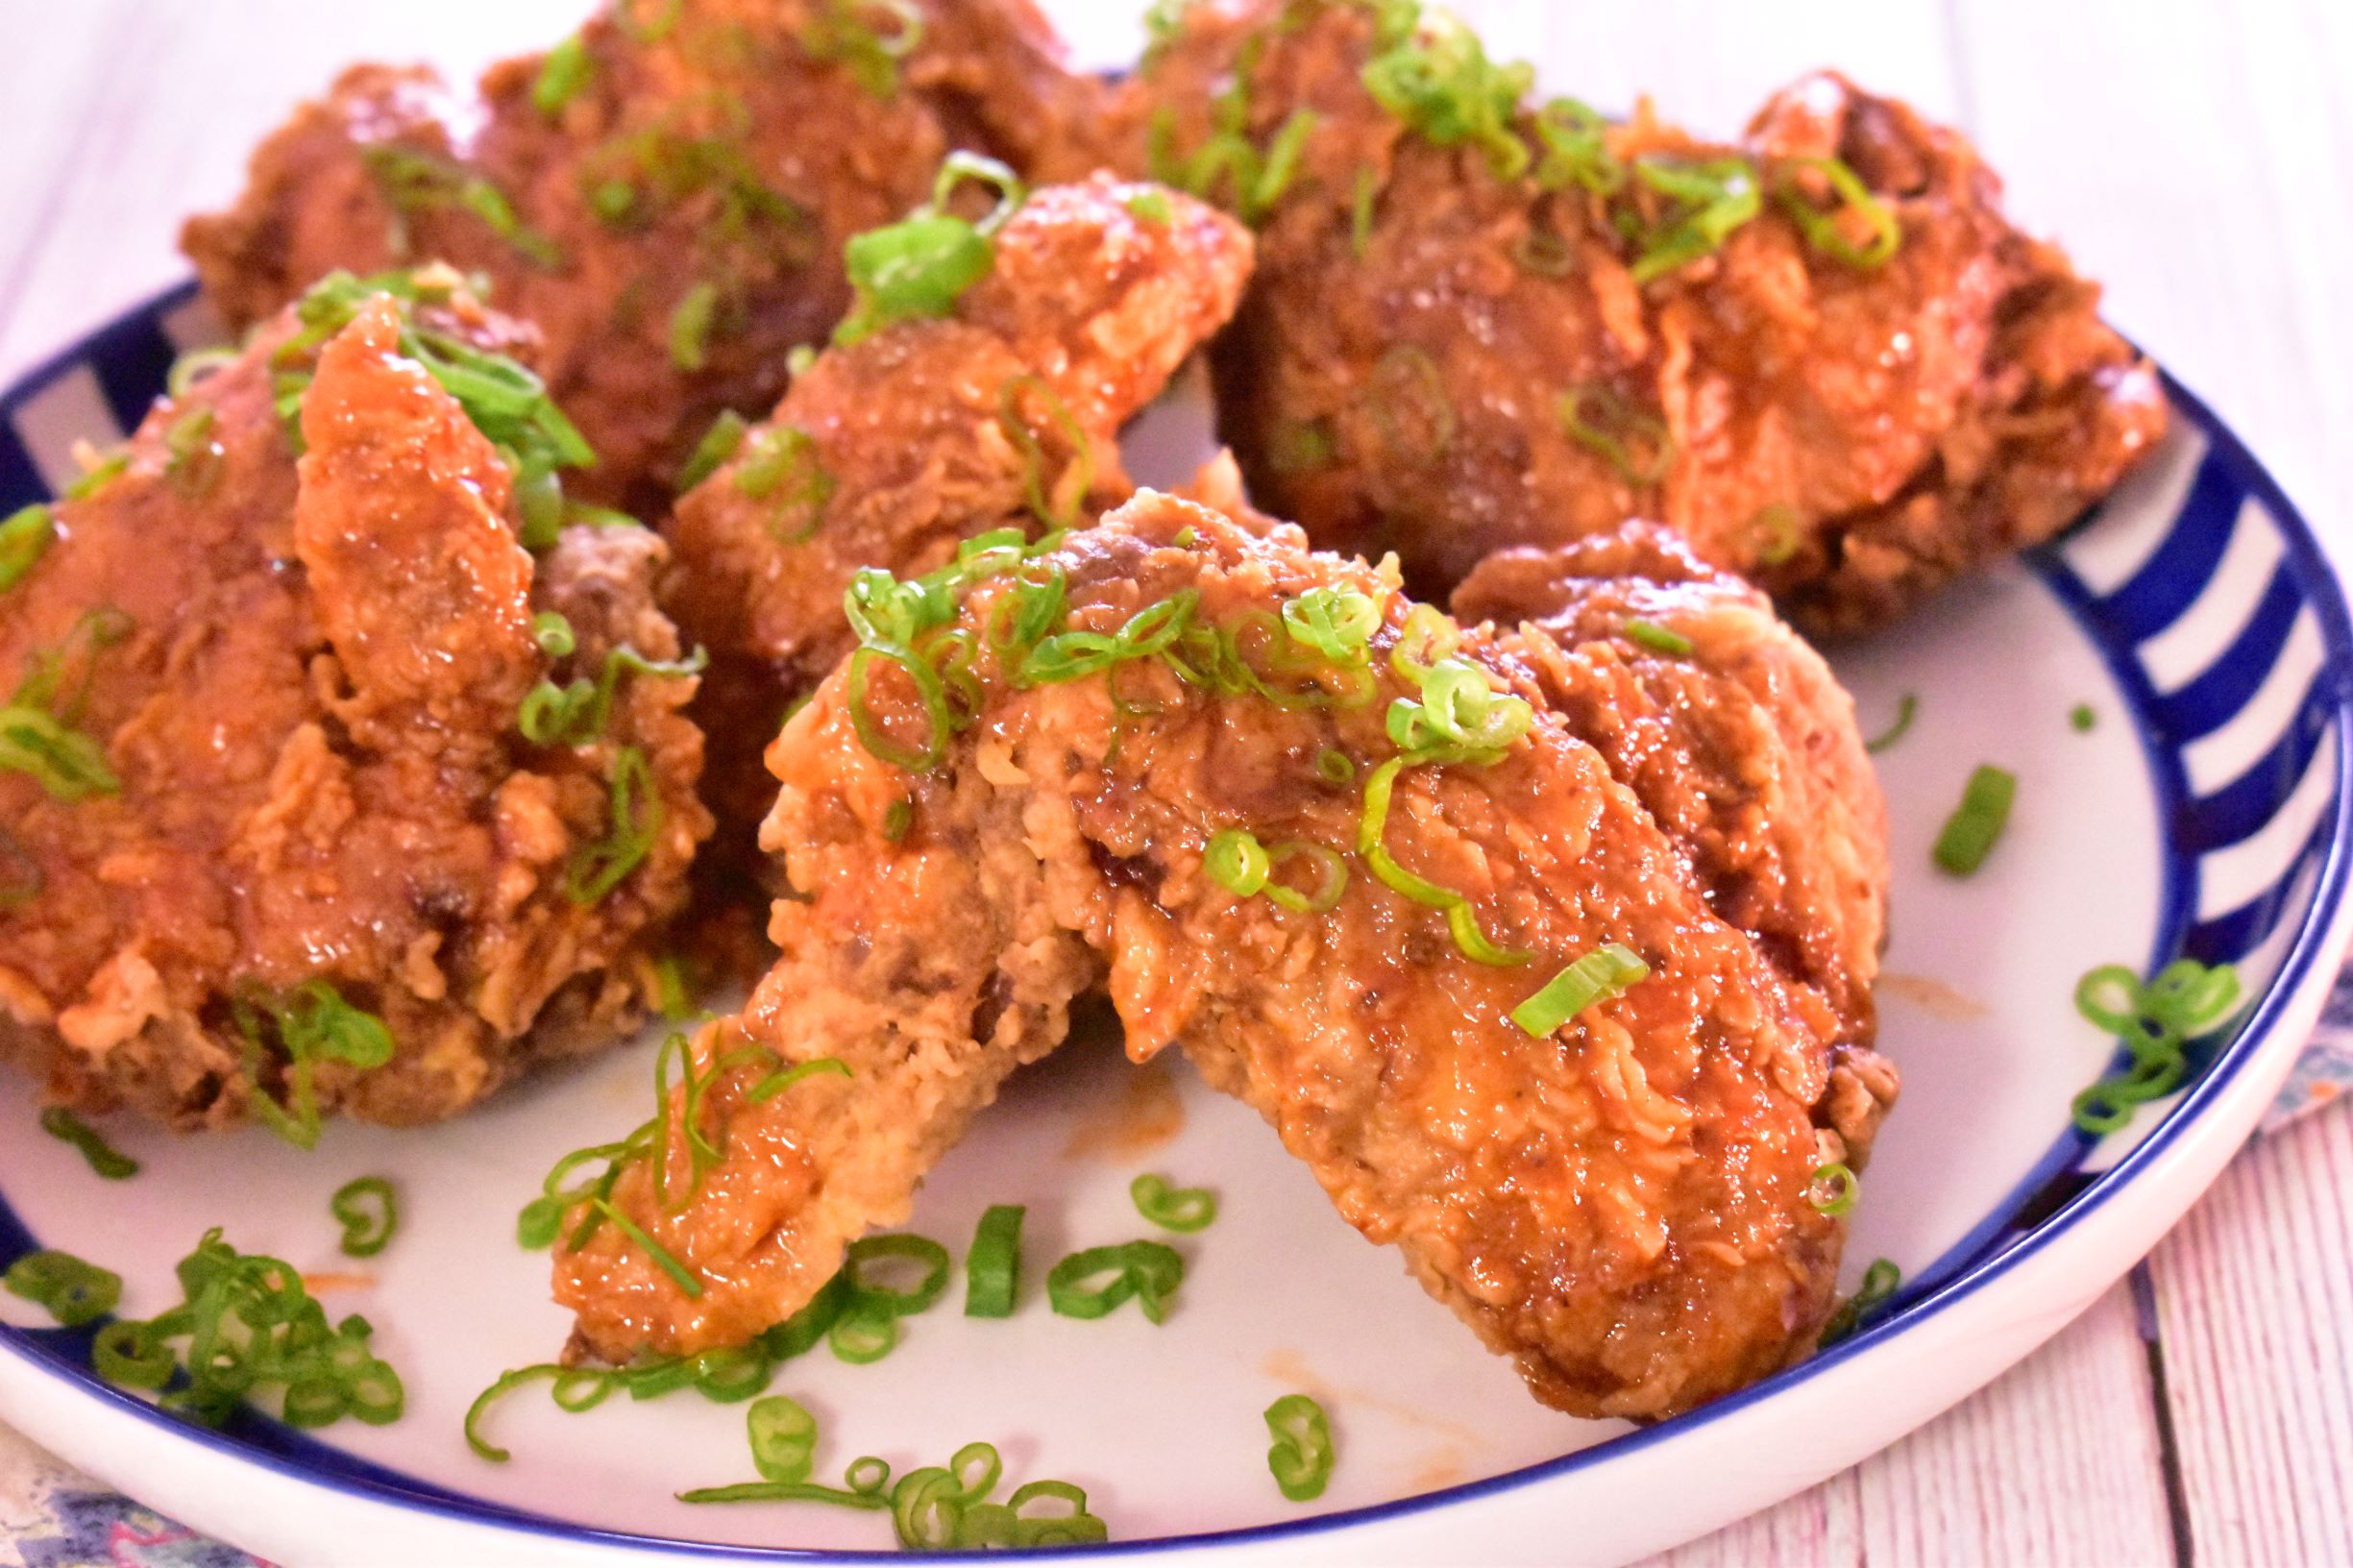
1738,740
664,195
275,846
1733,733
1619,1196
1474,326
890,451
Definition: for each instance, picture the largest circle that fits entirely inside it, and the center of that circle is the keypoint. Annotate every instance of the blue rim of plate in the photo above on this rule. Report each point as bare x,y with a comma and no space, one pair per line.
130,355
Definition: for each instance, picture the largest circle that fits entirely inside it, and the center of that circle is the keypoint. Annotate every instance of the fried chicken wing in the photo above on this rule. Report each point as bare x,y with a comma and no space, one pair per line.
1731,732
276,845
1476,325
892,449
1617,1194
664,195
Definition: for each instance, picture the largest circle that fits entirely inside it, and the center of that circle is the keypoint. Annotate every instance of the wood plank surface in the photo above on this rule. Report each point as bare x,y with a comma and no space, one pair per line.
2197,157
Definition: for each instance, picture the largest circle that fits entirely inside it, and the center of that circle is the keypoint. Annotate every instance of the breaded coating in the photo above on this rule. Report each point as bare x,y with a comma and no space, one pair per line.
1474,326
1732,732
261,764
1621,1200
665,196
890,451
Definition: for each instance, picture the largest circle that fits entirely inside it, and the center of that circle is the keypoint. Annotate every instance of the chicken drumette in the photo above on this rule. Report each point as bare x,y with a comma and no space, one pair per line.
1332,848
892,449
664,195
1821,355
276,845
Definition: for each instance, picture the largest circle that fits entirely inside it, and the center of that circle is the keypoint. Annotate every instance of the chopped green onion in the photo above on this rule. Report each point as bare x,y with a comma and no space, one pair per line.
133,1355
992,1268
652,29
1151,207
1606,972
1822,229
2083,717
24,538
689,326
896,819
1180,1208
783,1439
1078,478
313,1023
1426,637
1330,877
552,632
1658,639
2153,1021
1410,404
719,443
1235,860
1711,197
194,366
1335,767
67,764
411,180
784,1078
1544,254
636,816
249,1324
922,265
1637,444
506,403
781,466
369,1213
1440,82
842,34
865,1332
507,1383
1361,210
1907,708
866,1286
799,1333
192,461
1459,715
561,76
1093,1284
1777,532
1337,623
1879,1282
73,1291
1834,1188
1970,833
1186,537
1576,140
1300,446
664,1260
576,714
98,477
1301,1457
104,1160
1462,920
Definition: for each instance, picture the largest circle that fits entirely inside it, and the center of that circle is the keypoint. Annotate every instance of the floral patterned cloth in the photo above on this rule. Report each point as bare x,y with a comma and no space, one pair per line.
54,1517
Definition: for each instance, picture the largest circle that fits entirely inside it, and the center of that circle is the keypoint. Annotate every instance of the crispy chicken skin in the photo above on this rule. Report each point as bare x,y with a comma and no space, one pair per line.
1621,1205
710,161
304,678
897,447
1850,436
1743,747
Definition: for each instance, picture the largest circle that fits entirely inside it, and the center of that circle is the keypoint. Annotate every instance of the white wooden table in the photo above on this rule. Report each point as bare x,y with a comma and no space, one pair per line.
2196,156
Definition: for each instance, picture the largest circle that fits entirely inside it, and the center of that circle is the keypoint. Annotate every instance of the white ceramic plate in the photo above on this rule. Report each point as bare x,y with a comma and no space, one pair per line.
2206,813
